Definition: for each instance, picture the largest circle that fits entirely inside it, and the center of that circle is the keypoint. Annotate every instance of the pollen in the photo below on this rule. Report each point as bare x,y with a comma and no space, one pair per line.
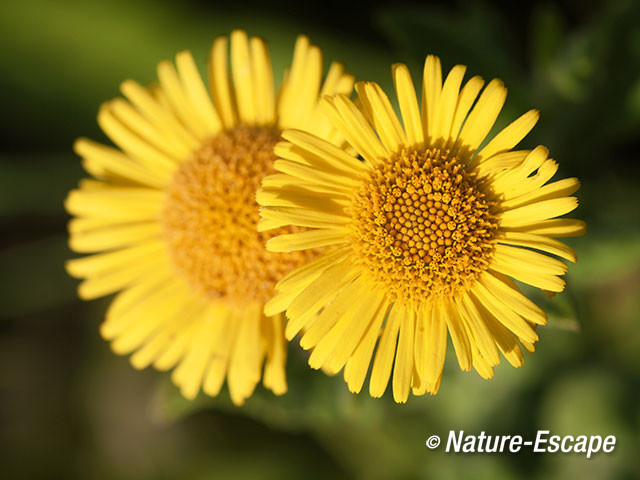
210,215
422,225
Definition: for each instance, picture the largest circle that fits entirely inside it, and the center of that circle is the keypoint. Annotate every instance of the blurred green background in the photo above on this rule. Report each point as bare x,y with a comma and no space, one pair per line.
71,409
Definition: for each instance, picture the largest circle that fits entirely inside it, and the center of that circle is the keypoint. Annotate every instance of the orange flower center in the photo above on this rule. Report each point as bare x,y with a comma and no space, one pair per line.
210,216
422,225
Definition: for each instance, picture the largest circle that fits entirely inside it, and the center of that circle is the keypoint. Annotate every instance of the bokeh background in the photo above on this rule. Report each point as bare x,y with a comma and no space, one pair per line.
69,408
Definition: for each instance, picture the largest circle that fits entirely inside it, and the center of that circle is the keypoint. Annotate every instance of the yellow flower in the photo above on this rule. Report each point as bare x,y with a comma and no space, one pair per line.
173,214
423,232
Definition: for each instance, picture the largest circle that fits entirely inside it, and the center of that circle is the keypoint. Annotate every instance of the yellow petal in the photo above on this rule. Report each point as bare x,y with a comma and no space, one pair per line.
431,88
100,263
197,93
163,118
113,237
538,242
331,280
510,136
335,156
369,302
482,337
536,212
459,336
403,369
561,188
504,289
305,240
220,86
246,358
306,273
243,77
447,103
436,346
304,218
189,374
385,354
483,116
466,99
408,104
510,319
342,305
295,153
146,130
179,100
119,204
421,347
338,183
132,144
274,377
356,368
223,342
263,82
113,161
529,260
352,124
557,228
381,115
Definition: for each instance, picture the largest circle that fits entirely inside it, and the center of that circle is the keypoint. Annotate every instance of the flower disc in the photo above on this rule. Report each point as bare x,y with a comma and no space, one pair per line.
210,215
422,225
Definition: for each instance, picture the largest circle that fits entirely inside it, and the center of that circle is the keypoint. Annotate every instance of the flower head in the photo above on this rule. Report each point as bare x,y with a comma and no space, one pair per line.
424,232
170,217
